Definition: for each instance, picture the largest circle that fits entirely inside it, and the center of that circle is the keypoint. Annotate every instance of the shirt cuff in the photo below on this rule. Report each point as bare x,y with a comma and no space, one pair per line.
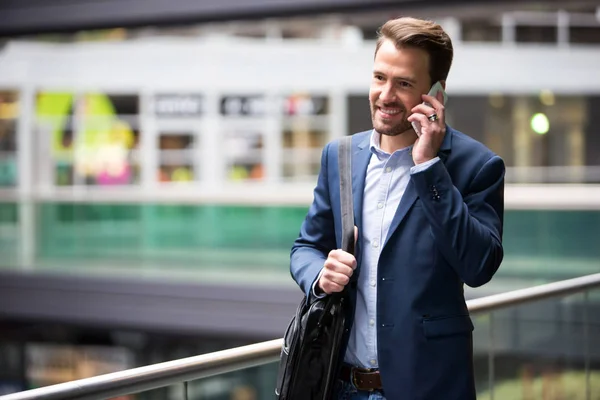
314,292
423,166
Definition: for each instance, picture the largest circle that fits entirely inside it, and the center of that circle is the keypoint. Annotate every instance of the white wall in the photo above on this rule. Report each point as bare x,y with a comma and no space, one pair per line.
240,65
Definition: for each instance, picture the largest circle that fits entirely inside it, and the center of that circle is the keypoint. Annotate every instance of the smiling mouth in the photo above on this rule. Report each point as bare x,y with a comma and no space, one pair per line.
389,112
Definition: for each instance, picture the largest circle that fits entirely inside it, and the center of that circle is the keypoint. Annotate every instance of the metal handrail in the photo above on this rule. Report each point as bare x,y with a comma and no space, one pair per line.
528,295
206,365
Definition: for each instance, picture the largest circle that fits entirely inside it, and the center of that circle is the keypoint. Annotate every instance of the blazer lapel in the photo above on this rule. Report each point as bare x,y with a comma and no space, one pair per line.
410,195
408,199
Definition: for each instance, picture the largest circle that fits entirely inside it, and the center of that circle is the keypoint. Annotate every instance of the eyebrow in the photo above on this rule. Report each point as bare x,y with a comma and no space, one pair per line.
397,78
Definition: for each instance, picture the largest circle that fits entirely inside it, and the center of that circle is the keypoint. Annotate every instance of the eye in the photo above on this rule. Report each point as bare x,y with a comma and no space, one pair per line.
405,84
379,78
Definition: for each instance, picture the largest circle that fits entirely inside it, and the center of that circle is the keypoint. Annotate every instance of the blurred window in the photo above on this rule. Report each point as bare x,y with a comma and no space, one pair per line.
358,116
481,31
93,138
584,35
244,136
107,142
536,34
369,32
542,138
9,111
305,133
176,157
55,122
244,154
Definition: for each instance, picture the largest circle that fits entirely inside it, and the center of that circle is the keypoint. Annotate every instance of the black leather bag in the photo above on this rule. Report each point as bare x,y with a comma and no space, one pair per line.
310,358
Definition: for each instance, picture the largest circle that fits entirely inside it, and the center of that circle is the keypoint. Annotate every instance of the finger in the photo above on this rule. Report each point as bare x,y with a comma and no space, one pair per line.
337,266
336,277
343,257
423,109
427,127
347,259
331,287
435,103
421,118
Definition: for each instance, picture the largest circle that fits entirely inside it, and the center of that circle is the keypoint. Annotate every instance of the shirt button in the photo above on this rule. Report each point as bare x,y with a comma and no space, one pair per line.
375,244
388,169
373,282
373,362
372,322
379,205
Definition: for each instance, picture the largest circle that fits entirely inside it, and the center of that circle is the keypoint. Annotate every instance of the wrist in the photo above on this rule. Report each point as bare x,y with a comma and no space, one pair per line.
318,290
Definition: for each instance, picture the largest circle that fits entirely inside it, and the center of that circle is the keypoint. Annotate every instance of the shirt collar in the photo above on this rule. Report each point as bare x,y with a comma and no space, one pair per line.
375,146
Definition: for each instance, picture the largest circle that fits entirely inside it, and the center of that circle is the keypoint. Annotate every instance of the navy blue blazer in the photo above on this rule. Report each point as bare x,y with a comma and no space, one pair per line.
447,231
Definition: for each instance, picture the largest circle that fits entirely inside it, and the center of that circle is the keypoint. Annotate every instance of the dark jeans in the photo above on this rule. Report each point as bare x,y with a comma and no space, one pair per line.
347,391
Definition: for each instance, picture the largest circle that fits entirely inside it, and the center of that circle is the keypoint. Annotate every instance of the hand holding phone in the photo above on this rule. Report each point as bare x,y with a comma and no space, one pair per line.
435,89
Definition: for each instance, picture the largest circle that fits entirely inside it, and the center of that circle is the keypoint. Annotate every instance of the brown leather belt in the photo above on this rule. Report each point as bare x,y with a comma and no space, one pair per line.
362,379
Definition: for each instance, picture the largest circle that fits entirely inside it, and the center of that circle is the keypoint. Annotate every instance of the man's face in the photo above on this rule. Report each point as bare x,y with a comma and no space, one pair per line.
400,77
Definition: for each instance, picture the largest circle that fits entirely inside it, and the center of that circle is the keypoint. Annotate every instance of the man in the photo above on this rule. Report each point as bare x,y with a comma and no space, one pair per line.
428,212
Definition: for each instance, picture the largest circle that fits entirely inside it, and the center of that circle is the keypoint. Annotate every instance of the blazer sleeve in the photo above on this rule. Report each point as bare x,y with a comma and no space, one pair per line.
467,231
317,234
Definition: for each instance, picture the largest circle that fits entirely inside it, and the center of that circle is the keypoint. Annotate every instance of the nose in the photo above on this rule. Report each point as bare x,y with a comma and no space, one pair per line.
387,94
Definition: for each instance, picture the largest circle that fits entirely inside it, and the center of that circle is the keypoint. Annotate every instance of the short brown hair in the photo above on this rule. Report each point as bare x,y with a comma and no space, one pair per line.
422,34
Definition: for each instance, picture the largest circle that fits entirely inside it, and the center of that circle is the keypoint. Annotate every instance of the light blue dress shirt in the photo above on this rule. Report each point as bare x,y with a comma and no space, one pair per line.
386,181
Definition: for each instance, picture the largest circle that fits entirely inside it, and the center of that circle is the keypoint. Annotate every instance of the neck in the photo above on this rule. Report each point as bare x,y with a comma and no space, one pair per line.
390,144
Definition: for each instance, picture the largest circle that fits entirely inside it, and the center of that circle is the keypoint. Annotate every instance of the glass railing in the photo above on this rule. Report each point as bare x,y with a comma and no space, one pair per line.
548,349
242,243
539,342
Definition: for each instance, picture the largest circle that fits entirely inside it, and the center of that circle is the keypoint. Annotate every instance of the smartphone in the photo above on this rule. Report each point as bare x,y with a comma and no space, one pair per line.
437,87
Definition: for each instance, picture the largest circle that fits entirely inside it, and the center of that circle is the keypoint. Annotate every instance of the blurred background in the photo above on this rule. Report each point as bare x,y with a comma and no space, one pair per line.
158,158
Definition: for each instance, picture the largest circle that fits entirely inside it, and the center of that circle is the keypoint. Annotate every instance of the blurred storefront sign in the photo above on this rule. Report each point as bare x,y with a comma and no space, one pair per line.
178,105
305,104
253,105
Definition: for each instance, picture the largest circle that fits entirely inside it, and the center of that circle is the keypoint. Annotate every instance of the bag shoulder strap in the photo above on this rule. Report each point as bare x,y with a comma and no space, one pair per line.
347,203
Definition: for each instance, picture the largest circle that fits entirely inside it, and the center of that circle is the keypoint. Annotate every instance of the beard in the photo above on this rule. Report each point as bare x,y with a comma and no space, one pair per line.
390,128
